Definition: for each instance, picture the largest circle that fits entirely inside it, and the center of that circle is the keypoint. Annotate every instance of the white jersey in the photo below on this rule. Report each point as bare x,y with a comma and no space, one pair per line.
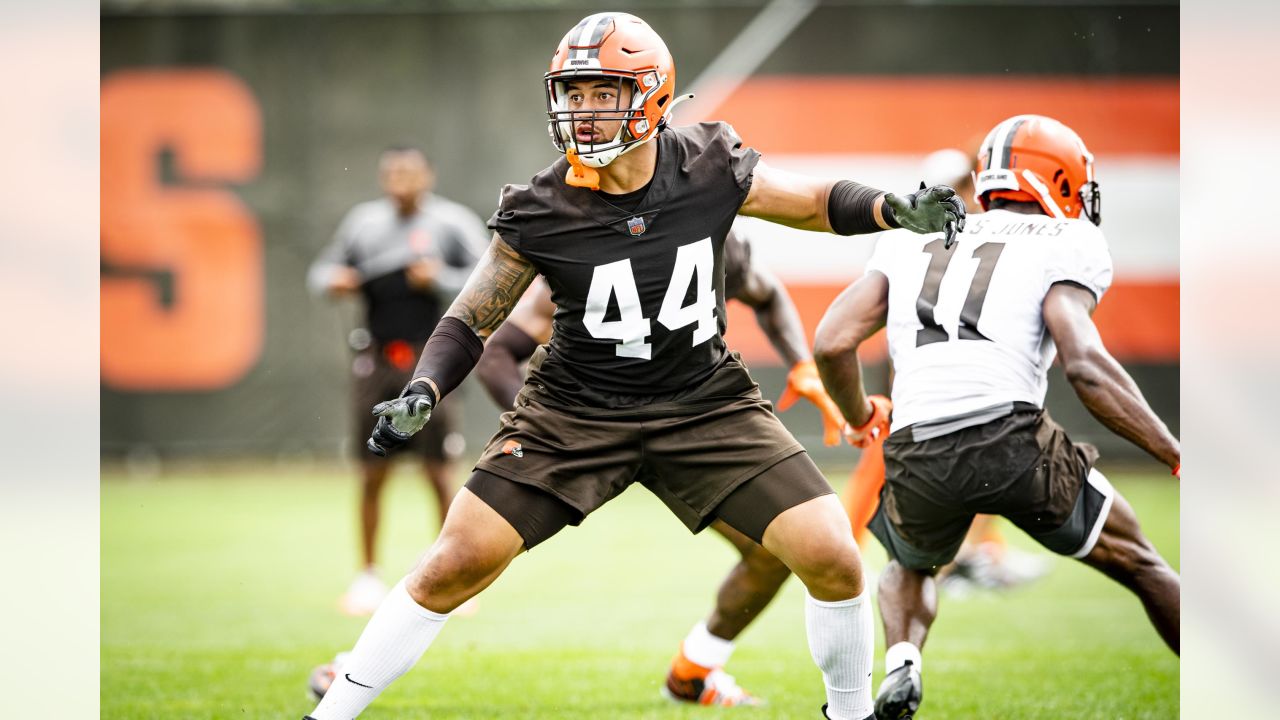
965,328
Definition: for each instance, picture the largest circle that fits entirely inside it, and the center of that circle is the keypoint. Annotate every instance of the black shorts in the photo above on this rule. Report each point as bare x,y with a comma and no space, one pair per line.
375,378
1022,466
692,453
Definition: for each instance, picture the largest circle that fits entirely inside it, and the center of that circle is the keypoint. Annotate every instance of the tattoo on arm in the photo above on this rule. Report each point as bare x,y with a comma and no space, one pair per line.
493,289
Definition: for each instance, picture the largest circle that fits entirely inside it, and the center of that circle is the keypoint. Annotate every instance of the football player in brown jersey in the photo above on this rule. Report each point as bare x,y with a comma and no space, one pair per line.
636,385
696,674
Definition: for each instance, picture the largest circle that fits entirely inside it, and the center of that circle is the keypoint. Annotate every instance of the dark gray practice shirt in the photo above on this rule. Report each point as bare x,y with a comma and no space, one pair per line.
380,244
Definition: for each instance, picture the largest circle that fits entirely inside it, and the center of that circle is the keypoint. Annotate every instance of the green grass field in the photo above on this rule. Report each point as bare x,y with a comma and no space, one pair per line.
219,594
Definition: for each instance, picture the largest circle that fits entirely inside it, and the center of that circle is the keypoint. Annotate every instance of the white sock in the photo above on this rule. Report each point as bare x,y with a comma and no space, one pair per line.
706,649
842,642
898,655
396,636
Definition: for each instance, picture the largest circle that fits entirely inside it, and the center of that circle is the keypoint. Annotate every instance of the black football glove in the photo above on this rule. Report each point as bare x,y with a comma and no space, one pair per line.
399,419
929,210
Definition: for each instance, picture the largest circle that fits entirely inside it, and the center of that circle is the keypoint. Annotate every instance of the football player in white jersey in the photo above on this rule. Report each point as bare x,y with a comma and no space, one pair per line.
973,328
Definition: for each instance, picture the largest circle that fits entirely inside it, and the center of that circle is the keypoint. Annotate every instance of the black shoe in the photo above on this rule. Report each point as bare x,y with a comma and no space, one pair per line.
828,717
900,694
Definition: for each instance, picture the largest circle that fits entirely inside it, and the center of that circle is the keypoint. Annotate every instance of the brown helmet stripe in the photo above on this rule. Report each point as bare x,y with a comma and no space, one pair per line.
1002,142
586,36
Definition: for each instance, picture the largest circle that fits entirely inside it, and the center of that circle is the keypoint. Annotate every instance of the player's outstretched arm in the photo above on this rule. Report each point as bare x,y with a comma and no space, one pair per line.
855,315
1102,383
792,199
848,208
455,346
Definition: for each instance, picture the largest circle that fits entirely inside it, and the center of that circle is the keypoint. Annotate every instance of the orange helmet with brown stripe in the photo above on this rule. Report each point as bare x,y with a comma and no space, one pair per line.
613,46
1033,158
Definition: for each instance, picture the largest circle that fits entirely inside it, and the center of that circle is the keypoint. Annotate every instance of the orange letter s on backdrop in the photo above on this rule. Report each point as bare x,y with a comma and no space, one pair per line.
182,268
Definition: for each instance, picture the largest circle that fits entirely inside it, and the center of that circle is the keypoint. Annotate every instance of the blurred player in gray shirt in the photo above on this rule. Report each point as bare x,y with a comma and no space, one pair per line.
405,254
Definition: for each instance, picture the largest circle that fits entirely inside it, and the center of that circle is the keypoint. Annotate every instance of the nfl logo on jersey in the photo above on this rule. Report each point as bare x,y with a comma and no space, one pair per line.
636,225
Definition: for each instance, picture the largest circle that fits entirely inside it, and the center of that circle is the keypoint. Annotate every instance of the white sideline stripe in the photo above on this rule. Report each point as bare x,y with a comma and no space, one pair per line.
1102,485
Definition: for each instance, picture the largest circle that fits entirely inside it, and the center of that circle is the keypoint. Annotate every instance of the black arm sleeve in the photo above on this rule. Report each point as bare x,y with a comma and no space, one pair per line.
499,368
851,209
449,355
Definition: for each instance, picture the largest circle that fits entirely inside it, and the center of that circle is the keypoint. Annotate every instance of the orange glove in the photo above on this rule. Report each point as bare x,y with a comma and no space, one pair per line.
876,426
1177,471
803,381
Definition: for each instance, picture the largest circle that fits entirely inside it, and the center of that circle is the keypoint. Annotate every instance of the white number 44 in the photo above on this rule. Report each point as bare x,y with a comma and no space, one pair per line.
632,328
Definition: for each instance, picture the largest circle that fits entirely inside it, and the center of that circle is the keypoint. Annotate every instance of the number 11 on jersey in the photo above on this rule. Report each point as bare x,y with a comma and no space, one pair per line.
940,259
694,263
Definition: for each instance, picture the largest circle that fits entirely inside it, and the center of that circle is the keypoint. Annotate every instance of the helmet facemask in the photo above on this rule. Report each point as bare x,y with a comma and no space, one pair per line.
1091,202
1090,194
635,127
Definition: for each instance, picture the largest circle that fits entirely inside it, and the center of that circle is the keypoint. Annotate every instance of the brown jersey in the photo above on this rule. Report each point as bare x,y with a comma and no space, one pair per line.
639,295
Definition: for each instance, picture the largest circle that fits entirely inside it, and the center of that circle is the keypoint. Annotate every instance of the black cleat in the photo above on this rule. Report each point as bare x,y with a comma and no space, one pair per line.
900,694
828,717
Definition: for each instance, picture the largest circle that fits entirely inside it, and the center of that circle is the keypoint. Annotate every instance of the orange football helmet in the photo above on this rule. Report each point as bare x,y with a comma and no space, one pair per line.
616,46
1032,158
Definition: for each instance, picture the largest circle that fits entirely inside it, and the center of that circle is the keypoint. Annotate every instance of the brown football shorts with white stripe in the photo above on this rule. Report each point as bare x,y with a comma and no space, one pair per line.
1022,466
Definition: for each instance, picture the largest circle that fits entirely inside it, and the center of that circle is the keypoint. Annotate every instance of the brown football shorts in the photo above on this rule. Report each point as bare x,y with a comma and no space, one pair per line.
692,453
